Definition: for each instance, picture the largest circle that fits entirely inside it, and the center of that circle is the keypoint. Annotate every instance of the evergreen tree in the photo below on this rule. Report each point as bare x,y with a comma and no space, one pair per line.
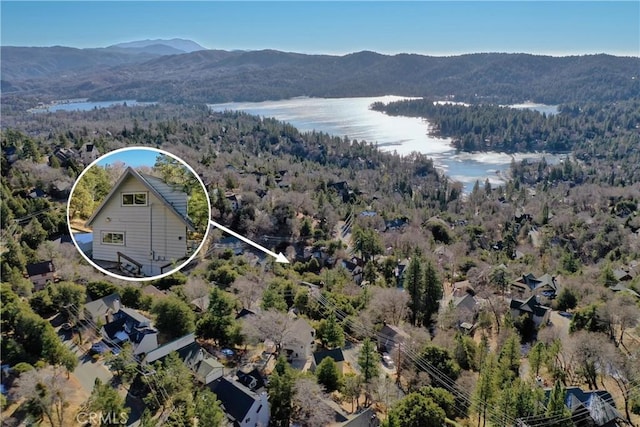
413,283
106,400
369,361
330,332
280,390
174,317
415,410
328,374
536,357
432,294
510,355
485,388
556,408
218,322
208,409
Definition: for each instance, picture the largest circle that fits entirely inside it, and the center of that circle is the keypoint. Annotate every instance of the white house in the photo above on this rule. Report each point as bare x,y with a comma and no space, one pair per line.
88,153
141,225
242,406
300,341
130,326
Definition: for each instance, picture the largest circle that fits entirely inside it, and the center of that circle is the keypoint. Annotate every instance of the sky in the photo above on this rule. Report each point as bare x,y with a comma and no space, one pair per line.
331,27
133,158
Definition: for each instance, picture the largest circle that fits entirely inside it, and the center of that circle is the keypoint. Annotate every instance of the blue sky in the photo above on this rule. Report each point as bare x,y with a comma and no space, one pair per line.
435,28
133,158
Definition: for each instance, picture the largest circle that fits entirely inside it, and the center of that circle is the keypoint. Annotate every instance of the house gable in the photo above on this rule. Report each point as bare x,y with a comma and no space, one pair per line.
141,222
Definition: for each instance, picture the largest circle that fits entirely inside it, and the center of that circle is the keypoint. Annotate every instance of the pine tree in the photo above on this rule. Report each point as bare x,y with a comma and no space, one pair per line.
536,357
556,408
330,332
280,390
369,361
328,374
432,294
413,283
106,400
485,388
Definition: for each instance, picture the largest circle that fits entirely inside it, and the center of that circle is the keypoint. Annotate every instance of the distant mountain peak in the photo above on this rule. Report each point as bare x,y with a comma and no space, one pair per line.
186,46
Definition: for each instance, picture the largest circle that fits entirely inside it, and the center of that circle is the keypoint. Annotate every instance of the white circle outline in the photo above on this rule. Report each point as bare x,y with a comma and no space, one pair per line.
139,279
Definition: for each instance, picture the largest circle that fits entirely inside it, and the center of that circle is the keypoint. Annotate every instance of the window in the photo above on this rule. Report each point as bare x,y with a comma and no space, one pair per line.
113,238
134,199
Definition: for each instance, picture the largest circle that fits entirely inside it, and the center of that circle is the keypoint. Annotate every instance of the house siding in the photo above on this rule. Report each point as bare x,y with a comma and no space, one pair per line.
154,235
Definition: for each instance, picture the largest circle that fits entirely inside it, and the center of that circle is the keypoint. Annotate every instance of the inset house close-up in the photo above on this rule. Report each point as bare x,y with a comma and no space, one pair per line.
139,222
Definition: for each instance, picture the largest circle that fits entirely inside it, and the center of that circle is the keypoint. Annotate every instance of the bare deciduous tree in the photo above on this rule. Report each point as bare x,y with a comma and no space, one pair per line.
308,408
273,325
249,290
389,305
48,391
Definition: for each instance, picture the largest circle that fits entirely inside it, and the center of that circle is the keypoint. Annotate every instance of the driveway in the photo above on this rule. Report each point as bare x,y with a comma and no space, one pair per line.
87,370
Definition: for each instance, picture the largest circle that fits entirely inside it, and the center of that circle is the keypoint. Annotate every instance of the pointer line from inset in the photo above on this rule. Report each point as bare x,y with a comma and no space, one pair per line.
279,257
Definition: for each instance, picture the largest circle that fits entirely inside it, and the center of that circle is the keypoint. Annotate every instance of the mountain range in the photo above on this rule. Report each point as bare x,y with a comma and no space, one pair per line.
183,71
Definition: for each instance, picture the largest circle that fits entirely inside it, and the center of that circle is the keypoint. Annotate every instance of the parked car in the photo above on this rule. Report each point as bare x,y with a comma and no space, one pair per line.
388,361
100,348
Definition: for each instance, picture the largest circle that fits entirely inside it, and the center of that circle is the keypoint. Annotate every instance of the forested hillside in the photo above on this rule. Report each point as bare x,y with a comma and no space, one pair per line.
219,76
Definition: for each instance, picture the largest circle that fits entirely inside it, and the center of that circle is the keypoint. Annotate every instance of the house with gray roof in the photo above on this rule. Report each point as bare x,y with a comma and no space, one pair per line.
242,406
128,325
531,308
205,367
102,310
141,226
545,285
593,408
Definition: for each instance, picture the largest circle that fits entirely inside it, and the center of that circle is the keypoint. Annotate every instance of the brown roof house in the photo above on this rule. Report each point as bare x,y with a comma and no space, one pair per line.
141,227
41,273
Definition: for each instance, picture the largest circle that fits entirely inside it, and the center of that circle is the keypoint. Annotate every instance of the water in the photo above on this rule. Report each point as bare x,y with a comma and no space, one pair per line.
352,117
83,105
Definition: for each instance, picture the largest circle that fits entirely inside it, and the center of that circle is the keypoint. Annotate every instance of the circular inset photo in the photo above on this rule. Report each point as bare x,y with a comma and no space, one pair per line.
139,213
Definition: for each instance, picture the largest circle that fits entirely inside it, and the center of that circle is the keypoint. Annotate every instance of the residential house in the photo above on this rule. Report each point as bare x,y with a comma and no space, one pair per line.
466,308
61,188
253,379
300,341
41,273
205,367
396,223
620,287
88,153
545,285
356,270
590,408
242,406
142,225
128,325
64,155
530,307
366,418
398,272
234,201
153,292
10,153
335,354
101,310
37,193
391,336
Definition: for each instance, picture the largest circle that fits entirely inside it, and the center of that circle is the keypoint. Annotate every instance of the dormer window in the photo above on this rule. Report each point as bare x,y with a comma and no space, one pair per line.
134,199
